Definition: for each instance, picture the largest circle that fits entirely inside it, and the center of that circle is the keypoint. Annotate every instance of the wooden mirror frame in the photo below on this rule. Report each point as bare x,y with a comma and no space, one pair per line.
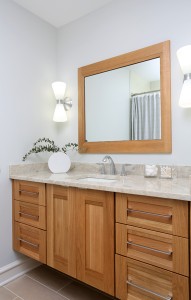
164,145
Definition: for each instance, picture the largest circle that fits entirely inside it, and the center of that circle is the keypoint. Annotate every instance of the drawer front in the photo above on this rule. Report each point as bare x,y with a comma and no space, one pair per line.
32,192
31,214
163,215
140,281
159,249
30,241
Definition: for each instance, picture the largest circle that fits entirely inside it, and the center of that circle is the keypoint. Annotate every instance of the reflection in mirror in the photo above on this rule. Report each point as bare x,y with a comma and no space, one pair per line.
124,104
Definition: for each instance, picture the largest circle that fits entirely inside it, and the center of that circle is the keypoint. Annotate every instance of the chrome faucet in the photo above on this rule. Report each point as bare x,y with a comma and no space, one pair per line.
111,162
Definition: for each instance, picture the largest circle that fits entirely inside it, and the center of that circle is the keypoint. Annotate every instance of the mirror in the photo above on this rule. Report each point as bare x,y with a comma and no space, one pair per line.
124,103
129,98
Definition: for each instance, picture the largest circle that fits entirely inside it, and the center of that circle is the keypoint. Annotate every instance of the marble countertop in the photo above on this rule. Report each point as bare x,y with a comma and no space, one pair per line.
177,188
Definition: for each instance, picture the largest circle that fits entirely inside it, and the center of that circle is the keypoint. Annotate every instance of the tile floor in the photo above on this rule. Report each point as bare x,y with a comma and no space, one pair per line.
44,283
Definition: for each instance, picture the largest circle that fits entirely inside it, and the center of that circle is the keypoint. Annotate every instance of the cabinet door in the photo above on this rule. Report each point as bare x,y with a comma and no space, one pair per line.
31,214
32,192
61,245
160,249
95,238
163,215
30,241
140,281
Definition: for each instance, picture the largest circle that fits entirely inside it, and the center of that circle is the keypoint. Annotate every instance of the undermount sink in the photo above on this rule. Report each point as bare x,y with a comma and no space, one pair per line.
96,179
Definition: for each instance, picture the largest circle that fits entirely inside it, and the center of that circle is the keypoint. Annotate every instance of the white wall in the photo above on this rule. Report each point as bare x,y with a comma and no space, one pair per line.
120,27
27,68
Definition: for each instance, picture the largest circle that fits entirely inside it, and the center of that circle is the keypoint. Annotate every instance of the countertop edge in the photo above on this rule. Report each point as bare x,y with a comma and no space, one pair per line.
120,187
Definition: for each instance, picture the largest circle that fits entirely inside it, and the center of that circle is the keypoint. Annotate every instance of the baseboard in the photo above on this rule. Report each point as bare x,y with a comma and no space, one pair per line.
16,269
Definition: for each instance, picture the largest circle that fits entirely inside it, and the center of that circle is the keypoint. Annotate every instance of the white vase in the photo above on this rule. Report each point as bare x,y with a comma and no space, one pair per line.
59,162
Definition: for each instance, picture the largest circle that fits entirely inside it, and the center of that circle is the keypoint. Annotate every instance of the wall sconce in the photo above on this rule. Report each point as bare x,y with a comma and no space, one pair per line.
62,104
184,57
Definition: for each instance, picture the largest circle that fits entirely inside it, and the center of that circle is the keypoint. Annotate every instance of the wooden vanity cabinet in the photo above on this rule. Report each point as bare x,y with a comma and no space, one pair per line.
61,229
140,251
139,281
152,248
80,235
29,219
157,214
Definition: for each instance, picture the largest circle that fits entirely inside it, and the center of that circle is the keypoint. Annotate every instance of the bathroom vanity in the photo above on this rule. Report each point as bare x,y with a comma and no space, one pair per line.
129,238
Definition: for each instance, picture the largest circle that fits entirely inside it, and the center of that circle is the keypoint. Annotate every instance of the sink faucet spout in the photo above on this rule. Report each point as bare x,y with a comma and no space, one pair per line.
108,158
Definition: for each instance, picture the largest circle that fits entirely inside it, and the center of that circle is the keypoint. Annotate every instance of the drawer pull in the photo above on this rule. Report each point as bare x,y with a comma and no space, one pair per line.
28,215
29,243
149,213
148,291
29,193
148,248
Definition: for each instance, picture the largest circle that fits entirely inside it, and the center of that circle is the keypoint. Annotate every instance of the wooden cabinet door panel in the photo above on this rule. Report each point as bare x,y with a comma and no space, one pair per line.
32,192
61,244
163,215
31,214
140,281
30,241
159,249
95,239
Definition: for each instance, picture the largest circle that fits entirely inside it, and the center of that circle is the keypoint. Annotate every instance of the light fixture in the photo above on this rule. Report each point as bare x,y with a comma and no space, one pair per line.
63,104
184,57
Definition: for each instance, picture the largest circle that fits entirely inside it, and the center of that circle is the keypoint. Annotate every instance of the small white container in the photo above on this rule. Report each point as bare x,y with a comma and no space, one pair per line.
166,172
151,171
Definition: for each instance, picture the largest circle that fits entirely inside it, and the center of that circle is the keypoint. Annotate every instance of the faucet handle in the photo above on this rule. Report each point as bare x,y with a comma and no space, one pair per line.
102,168
123,172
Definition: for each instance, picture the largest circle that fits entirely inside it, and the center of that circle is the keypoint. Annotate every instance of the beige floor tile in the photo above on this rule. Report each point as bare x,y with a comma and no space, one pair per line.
29,289
6,295
77,291
49,277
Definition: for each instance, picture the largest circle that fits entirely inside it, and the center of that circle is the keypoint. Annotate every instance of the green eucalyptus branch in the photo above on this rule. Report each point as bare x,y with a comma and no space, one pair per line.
49,147
69,146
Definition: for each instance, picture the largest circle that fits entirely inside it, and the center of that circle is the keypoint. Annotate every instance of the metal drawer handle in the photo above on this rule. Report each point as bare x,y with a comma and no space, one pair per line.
149,213
29,243
148,291
148,248
29,193
28,215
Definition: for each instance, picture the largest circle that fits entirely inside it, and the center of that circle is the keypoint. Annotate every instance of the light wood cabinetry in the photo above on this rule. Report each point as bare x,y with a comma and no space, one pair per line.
139,281
159,249
133,248
158,214
80,235
152,248
95,238
29,219
61,229
30,241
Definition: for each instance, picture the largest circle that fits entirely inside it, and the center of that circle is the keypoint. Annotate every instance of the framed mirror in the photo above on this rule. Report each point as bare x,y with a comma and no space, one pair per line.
125,103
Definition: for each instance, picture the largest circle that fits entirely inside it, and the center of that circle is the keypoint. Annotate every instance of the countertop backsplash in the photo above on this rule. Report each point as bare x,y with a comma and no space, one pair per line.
94,168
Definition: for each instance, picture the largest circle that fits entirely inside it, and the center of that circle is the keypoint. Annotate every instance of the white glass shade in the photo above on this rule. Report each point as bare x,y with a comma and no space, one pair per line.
59,89
184,57
59,113
185,96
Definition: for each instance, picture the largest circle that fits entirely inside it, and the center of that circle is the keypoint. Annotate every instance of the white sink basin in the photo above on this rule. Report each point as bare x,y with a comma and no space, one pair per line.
95,179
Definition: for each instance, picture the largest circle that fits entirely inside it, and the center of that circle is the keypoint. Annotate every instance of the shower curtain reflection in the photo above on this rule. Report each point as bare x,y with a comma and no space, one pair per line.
146,116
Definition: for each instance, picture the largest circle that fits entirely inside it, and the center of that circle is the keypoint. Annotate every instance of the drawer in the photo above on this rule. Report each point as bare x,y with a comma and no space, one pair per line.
31,214
159,249
30,241
140,281
32,192
163,215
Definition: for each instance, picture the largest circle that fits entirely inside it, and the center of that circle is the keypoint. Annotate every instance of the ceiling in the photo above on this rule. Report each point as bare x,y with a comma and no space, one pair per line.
61,12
